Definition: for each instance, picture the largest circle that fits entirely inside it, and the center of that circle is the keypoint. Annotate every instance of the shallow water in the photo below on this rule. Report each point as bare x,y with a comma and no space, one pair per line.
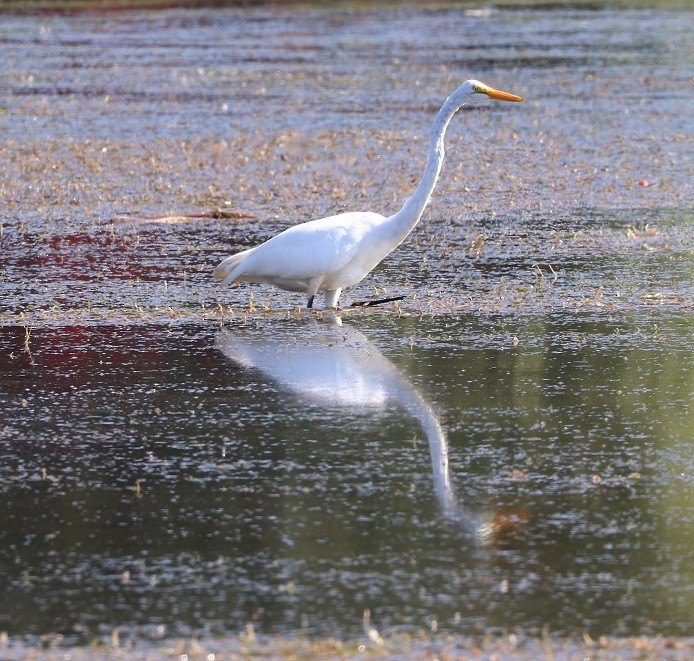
479,474
510,451
287,114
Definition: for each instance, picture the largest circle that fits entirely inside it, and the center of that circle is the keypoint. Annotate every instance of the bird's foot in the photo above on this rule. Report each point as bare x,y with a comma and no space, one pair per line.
378,301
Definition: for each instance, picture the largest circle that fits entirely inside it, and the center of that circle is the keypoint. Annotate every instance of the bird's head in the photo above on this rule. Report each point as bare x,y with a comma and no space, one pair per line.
476,87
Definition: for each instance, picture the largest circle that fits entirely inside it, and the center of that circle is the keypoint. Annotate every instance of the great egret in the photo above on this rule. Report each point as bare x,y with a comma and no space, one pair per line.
331,253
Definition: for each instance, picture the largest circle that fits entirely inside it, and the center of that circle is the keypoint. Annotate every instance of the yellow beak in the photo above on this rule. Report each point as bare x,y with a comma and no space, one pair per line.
498,94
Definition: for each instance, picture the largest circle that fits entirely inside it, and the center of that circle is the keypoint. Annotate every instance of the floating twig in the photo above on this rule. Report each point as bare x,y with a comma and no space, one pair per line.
214,214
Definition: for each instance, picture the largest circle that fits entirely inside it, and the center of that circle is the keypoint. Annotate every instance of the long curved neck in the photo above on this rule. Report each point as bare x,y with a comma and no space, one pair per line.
402,223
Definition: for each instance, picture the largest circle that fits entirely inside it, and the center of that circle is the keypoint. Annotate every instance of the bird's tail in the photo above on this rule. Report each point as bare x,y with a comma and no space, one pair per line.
225,268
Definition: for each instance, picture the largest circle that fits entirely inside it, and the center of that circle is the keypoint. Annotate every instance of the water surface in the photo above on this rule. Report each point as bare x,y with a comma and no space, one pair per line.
511,451
294,472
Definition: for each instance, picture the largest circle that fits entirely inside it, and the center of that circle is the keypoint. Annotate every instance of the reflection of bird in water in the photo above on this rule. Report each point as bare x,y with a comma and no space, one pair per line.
335,252
336,364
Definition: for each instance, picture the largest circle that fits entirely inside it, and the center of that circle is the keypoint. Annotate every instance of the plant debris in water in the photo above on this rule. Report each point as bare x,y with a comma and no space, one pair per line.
397,646
540,208
551,277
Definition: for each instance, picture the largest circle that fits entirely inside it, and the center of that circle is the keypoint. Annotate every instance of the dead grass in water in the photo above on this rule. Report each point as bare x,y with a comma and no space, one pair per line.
423,645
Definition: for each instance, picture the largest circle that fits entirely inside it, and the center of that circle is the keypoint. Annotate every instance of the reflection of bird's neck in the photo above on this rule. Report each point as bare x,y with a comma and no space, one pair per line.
402,223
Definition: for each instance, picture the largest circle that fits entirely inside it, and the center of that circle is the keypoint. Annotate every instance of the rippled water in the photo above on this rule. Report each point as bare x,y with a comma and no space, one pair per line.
489,473
510,451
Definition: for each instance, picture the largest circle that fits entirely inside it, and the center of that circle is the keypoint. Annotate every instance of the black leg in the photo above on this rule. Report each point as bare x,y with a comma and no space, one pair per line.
310,302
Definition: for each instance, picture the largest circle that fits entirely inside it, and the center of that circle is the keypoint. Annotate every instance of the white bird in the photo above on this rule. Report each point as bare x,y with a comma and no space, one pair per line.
331,253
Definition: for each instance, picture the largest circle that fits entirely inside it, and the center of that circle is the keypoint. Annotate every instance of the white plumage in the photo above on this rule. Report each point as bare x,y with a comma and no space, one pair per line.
332,253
